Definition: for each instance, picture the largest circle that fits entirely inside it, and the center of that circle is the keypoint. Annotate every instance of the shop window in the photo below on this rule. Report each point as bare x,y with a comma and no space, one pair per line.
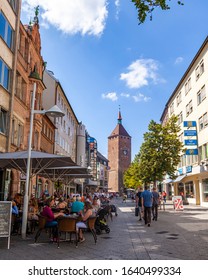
189,190
205,190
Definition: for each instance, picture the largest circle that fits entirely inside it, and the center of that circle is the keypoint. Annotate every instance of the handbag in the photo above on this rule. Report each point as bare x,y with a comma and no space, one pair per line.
136,211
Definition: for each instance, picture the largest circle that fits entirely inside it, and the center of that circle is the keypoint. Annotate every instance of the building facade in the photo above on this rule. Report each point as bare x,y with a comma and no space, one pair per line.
189,101
119,156
67,126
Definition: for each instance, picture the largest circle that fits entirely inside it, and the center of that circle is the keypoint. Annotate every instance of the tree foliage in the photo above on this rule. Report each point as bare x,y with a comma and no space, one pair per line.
145,7
131,178
159,153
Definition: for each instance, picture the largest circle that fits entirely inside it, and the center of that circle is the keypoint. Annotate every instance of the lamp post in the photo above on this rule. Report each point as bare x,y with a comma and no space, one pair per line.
54,112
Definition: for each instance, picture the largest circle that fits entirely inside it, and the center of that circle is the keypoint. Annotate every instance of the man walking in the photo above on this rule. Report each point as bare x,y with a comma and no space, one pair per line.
155,203
139,202
147,199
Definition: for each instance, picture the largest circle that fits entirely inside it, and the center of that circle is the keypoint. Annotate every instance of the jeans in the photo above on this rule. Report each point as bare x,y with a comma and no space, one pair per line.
147,215
155,212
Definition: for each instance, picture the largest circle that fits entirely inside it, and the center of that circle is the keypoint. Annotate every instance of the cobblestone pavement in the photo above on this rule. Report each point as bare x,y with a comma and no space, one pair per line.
179,235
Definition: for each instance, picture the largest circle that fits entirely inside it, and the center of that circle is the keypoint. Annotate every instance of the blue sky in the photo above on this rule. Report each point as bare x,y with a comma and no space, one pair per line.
104,59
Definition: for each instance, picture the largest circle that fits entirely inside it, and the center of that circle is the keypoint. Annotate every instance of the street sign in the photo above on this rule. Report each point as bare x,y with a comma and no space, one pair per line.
189,123
191,142
190,152
190,133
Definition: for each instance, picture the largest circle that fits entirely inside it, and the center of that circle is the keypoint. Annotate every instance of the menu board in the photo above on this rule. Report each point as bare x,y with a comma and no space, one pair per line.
5,219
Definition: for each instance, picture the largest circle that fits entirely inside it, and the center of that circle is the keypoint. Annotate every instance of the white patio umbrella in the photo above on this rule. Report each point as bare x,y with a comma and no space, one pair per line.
39,161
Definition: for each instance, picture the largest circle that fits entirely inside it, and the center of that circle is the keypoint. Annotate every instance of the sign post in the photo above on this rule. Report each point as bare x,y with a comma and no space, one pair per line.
178,203
5,219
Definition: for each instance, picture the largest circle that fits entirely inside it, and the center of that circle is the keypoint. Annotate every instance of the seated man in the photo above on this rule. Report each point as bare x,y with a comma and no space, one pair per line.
77,205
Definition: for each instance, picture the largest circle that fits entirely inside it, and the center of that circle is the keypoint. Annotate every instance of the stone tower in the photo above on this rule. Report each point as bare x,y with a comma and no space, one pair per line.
119,156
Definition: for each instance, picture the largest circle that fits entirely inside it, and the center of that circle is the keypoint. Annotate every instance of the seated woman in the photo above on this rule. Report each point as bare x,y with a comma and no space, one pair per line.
88,212
95,204
62,204
51,217
33,209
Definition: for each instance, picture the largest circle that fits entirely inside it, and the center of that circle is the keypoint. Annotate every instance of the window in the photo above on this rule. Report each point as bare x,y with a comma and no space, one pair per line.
180,118
205,190
203,122
4,75
3,120
189,108
188,86
172,108
201,95
6,31
13,4
178,98
199,70
21,88
17,133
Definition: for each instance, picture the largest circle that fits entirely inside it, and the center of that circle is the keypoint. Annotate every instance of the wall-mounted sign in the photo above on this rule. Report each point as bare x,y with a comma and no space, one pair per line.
189,123
190,142
180,171
190,133
188,169
190,152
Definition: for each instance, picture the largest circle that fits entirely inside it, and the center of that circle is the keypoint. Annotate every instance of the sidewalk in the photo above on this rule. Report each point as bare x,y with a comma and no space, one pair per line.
176,235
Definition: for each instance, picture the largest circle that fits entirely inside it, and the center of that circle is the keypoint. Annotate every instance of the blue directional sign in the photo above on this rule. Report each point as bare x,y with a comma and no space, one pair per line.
190,142
190,133
190,152
188,169
189,123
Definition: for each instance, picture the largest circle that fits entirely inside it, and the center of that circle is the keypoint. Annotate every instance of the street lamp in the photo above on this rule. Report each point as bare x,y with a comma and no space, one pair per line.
54,112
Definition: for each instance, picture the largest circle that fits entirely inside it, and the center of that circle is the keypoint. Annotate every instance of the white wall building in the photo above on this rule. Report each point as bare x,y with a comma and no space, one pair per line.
189,102
66,132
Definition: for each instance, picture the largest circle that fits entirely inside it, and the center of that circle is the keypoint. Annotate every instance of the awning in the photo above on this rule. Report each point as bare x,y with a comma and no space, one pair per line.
167,181
179,178
92,183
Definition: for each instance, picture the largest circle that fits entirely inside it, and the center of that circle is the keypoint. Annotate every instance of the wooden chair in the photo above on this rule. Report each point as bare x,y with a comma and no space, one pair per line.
91,227
42,225
67,225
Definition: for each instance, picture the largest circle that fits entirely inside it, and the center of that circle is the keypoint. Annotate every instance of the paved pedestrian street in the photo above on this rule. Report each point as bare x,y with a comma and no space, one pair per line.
179,235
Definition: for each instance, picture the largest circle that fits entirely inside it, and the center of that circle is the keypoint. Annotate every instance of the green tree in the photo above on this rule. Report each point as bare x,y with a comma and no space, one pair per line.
145,7
131,178
160,152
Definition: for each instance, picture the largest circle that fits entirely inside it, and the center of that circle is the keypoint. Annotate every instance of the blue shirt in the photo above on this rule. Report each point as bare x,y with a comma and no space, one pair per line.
77,206
147,198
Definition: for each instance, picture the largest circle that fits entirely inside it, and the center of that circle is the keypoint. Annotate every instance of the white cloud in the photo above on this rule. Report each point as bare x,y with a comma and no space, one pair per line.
179,60
117,4
127,95
111,95
141,72
141,97
71,17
